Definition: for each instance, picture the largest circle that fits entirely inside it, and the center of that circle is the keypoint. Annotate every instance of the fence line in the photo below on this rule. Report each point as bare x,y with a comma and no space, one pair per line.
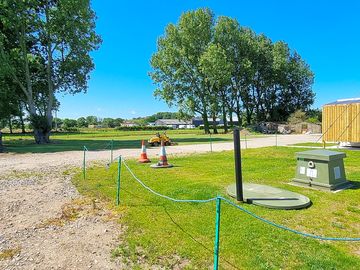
243,210
218,200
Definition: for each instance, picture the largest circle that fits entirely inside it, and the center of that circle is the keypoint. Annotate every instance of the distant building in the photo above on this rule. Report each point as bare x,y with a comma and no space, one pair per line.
95,126
174,123
198,121
128,124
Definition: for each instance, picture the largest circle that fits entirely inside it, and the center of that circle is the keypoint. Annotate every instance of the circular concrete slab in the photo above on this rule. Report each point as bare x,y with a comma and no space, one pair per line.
270,197
156,166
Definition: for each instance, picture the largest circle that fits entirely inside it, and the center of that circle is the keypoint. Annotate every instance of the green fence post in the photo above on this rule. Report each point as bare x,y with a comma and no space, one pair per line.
217,234
112,150
118,182
84,163
210,142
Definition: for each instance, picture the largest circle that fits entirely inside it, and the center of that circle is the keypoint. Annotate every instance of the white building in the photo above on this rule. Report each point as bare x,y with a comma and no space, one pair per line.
174,123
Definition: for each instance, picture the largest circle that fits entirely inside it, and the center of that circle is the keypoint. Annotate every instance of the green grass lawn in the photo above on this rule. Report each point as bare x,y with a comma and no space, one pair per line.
100,139
158,229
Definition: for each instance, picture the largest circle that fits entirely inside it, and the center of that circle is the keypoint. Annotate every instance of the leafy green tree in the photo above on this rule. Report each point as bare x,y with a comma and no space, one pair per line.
176,64
44,49
57,122
81,122
118,122
92,120
69,123
314,116
297,117
218,70
108,122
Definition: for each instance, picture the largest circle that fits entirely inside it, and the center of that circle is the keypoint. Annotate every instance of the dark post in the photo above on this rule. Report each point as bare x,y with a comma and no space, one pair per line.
1,143
238,172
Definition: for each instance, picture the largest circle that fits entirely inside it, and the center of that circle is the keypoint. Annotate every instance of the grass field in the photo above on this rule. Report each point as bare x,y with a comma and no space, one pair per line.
99,140
158,229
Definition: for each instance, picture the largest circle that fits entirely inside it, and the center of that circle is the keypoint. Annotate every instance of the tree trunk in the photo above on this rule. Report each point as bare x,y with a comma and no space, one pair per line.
248,116
10,126
214,124
224,119
1,144
41,136
206,123
231,122
22,122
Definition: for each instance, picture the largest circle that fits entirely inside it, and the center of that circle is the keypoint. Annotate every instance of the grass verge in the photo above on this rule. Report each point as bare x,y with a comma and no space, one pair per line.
100,140
161,228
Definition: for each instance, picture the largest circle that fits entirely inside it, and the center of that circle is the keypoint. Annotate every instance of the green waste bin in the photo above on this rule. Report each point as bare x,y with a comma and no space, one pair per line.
321,169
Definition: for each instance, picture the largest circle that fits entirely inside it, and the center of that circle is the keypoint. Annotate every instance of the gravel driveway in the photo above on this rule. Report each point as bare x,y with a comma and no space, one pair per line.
46,224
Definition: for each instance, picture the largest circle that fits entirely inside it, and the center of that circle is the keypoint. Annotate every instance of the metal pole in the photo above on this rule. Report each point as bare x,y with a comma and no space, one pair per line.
210,143
276,139
245,142
217,234
238,172
84,164
112,150
118,182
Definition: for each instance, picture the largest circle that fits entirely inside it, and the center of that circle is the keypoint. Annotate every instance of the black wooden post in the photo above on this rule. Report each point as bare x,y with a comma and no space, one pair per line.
238,172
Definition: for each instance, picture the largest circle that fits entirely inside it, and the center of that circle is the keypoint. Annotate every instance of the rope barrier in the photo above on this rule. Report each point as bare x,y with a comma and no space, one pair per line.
289,229
240,208
164,196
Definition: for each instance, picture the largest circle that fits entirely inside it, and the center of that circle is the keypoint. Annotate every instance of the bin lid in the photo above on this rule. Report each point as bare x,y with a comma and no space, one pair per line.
321,155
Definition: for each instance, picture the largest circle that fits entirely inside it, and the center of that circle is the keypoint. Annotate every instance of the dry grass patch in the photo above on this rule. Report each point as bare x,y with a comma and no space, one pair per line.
8,254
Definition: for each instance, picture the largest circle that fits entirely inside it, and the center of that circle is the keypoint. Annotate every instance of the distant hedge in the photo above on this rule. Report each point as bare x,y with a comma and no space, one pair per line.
135,128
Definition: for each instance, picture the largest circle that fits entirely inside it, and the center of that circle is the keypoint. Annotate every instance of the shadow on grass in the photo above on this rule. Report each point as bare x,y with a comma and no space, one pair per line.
59,145
28,146
201,140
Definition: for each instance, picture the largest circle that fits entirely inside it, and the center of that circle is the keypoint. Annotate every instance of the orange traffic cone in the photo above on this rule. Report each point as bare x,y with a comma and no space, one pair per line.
163,162
143,156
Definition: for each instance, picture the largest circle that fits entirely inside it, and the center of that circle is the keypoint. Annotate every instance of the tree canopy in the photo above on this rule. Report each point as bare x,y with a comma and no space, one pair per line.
44,49
215,67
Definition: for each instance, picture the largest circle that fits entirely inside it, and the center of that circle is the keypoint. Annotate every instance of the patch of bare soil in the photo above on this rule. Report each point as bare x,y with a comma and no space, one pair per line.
46,224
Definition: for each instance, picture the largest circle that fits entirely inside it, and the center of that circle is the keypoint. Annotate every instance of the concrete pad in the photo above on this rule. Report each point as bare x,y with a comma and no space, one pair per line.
157,166
270,197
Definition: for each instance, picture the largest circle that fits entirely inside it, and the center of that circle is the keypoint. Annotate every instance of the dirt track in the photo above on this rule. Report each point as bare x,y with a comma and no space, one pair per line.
46,224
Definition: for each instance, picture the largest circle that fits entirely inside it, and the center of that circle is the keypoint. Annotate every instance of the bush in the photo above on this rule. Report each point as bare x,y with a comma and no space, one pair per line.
142,128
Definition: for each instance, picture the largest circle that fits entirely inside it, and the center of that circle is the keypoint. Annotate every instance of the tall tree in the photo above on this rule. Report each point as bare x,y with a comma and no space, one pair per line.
44,49
176,64
217,69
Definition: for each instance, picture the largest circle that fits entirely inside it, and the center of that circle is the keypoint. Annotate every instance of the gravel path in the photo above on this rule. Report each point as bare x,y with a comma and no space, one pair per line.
10,162
46,224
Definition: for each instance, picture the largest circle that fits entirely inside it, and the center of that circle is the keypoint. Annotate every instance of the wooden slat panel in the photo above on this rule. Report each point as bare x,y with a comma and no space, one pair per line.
341,123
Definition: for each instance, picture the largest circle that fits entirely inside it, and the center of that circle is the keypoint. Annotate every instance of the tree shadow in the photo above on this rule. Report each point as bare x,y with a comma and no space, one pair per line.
62,145
18,144
201,140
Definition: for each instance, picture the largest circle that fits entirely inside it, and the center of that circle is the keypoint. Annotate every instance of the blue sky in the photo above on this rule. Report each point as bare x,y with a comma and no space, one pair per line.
325,33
